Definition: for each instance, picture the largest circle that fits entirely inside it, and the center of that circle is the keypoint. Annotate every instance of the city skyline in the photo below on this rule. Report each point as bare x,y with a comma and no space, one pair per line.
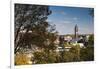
65,19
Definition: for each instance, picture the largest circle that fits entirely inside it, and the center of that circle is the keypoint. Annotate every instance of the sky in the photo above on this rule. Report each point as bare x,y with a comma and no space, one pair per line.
65,19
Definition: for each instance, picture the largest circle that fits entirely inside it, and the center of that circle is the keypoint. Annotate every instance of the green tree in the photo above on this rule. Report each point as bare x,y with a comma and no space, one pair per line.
30,18
91,40
33,31
87,54
42,57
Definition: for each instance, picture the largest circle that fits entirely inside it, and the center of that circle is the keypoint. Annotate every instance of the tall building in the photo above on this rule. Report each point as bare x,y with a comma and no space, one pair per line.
76,31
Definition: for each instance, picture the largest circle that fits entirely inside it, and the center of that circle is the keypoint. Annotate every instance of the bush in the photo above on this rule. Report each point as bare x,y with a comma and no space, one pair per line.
44,57
87,54
21,59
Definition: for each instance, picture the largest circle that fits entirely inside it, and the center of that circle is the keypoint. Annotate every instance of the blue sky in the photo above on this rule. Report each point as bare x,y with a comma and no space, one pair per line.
65,18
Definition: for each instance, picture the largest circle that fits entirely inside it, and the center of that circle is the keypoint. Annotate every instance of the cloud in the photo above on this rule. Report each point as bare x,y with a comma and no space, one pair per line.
61,12
65,22
65,28
49,20
75,18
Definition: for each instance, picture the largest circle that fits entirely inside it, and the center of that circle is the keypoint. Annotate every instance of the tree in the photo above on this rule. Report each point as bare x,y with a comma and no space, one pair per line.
87,54
30,18
91,40
42,57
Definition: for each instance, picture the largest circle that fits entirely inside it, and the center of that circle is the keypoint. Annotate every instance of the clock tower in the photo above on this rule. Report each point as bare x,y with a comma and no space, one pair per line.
76,31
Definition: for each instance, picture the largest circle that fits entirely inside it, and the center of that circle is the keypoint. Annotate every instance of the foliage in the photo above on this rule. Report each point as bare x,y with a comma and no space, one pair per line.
91,40
73,54
32,18
87,54
42,57
69,57
21,59
32,31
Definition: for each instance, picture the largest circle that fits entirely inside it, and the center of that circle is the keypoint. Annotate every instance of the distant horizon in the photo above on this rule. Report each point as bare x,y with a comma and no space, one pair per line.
65,18
79,34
